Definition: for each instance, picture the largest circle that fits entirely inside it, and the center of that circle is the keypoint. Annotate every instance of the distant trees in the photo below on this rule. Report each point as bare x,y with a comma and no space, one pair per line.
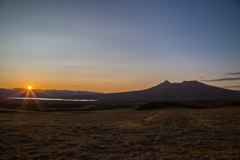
158,105
233,103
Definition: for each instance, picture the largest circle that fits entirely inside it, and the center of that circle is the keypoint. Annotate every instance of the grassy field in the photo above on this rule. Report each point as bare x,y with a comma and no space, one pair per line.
173,134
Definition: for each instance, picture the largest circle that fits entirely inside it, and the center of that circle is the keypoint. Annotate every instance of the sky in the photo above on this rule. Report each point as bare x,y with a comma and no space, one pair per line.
118,45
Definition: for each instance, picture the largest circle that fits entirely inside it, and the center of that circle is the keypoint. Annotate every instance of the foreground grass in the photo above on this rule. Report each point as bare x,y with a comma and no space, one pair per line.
179,134
6,110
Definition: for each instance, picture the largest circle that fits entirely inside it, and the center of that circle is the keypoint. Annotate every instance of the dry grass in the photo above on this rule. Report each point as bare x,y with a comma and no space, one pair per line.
179,134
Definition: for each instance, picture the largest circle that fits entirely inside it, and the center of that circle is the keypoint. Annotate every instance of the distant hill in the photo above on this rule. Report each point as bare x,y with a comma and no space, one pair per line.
19,92
166,91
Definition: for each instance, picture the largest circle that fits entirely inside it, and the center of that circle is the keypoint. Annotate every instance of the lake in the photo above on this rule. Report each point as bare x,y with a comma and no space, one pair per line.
53,99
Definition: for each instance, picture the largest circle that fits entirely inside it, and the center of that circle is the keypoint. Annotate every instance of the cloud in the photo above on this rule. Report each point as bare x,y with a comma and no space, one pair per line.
231,87
233,73
77,86
222,79
201,77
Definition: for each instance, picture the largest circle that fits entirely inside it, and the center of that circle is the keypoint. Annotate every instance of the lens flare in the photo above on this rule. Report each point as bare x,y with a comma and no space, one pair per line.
28,91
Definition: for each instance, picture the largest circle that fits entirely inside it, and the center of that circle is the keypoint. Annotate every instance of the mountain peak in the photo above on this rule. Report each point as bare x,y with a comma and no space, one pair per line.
193,81
166,82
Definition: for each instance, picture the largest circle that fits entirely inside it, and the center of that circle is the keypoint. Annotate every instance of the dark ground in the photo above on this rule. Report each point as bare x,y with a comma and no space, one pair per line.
174,134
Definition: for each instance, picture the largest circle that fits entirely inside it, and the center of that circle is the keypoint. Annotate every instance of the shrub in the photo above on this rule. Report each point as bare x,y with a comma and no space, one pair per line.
158,105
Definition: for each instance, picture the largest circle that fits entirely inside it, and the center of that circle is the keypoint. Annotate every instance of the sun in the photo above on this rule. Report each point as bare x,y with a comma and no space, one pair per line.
29,87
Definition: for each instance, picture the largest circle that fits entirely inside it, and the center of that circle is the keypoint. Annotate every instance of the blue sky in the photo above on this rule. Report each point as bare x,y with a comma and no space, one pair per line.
118,45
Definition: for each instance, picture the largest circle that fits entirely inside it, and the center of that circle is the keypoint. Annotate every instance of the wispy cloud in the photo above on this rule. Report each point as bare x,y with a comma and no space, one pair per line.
233,73
222,79
231,87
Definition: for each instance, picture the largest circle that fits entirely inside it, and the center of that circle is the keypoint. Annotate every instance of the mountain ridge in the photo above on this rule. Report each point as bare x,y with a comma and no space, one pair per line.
166,91
187,90
50,93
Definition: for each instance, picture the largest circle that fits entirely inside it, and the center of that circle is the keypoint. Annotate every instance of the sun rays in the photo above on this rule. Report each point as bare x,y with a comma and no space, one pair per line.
37,101
25,101
29,92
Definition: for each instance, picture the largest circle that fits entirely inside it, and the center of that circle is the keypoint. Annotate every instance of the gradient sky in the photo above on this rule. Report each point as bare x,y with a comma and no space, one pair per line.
118,45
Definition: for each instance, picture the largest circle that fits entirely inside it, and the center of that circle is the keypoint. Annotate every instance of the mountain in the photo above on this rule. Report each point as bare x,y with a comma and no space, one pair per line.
19,92
166,91
187,90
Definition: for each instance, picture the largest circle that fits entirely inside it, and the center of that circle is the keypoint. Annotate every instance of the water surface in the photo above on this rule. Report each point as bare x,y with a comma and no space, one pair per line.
53,99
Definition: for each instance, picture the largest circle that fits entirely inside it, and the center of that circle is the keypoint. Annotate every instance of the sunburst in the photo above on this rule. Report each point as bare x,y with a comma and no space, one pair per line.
29,91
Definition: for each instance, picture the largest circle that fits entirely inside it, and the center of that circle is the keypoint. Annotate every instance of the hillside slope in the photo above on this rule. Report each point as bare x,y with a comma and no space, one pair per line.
187,90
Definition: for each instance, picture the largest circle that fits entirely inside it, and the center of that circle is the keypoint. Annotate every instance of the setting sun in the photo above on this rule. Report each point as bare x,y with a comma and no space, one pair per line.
29,87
